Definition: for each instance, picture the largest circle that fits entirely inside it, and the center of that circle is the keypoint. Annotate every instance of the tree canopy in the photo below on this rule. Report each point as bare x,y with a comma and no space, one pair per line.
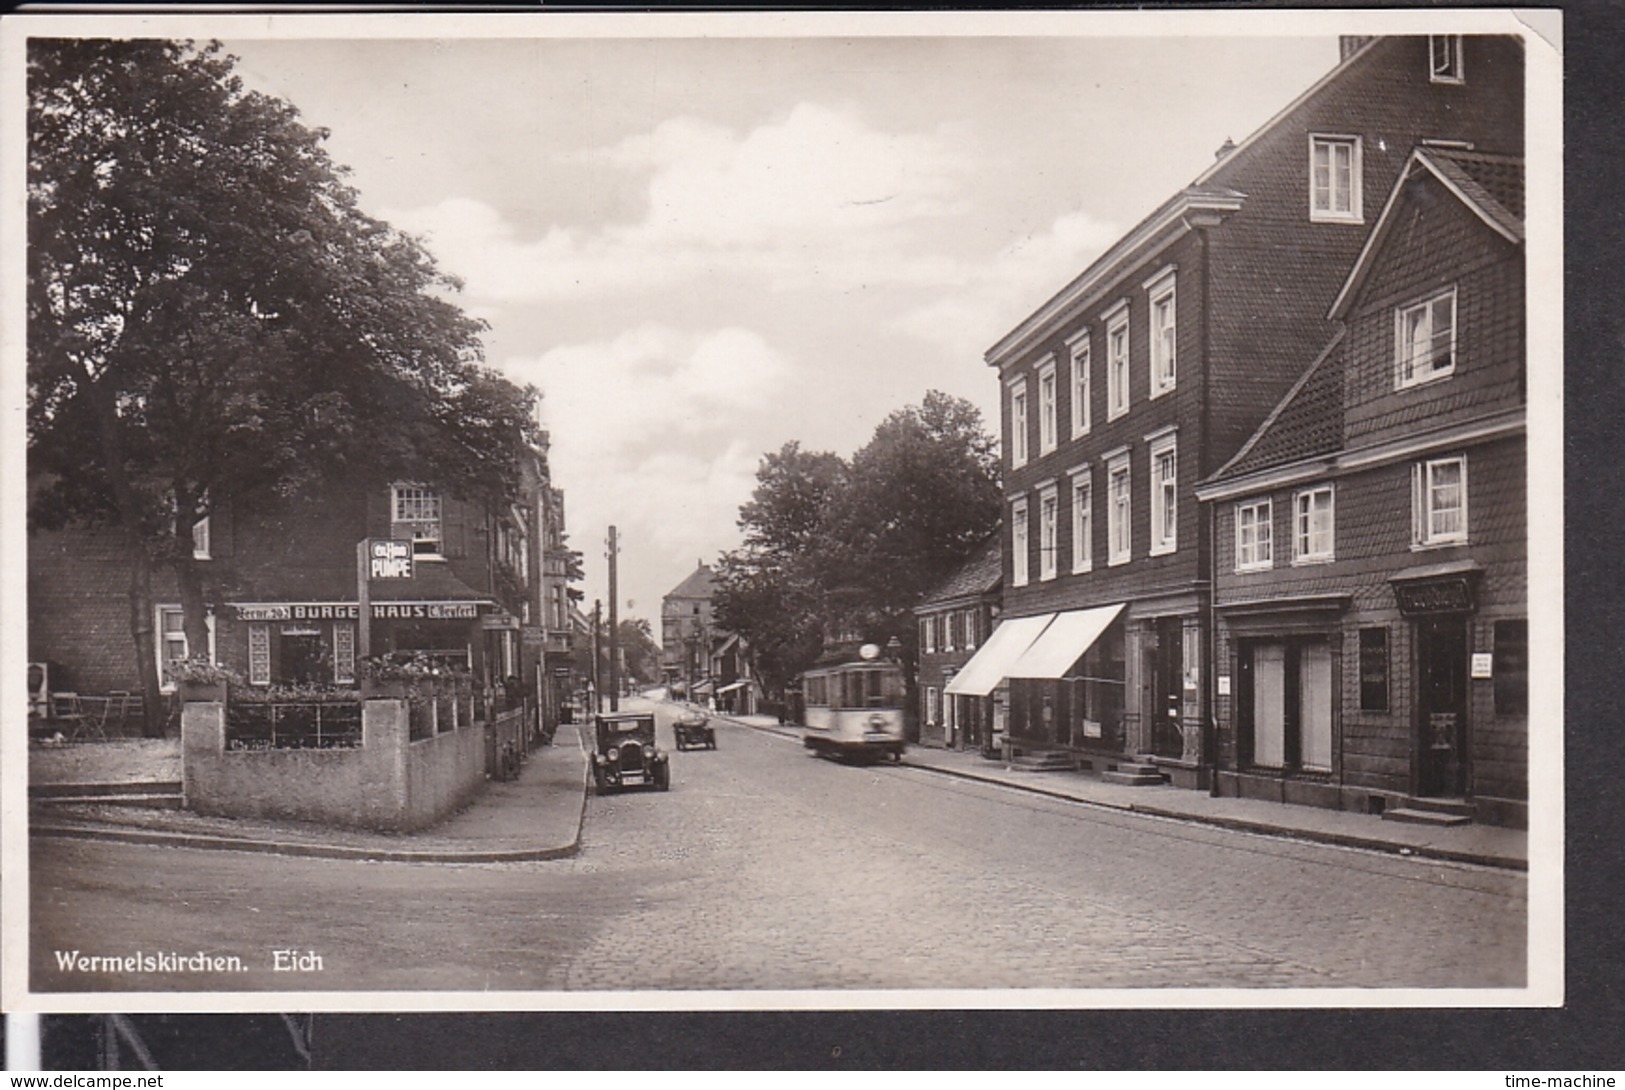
835,548
213,318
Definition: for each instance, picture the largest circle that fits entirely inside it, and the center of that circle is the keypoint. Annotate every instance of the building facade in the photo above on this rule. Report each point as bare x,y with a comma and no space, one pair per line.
283,588
1148,372
686,633
954,620
1371,560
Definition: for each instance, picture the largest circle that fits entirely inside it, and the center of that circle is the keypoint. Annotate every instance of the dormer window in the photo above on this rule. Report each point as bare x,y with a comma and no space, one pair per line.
1444,58
1425,340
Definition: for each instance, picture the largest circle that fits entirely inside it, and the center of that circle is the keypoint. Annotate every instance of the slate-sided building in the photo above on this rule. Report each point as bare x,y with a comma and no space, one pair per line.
1149,371
1371,576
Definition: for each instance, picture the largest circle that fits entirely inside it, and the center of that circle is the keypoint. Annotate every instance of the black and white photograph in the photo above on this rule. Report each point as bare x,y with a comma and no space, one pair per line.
1027,510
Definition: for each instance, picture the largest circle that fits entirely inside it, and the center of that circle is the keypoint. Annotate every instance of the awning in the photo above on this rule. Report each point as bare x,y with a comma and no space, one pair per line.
1064,642
702,686
732,685
990,665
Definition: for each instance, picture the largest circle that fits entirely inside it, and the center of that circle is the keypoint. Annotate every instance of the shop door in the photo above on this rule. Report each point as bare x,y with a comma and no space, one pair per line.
1167,740
1441,679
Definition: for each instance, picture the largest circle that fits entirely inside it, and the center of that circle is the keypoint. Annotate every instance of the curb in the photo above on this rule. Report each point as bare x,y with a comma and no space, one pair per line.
1244,825
207,842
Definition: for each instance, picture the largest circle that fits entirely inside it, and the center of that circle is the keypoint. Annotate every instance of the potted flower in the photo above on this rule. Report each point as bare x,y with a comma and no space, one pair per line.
399,676
198,679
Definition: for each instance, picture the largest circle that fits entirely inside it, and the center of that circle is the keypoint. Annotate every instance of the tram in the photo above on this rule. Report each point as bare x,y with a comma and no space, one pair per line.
854,707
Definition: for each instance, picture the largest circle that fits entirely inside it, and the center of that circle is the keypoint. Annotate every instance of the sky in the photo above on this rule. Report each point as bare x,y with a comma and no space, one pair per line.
700,248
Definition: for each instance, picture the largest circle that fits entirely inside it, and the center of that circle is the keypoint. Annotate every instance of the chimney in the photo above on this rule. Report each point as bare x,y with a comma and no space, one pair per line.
1225,149
1349,44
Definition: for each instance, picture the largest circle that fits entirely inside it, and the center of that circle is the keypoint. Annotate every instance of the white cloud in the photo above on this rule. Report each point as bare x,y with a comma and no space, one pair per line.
815,194
997,295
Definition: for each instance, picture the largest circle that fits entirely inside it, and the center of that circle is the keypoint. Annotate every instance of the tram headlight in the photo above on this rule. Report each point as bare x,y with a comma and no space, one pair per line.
877,721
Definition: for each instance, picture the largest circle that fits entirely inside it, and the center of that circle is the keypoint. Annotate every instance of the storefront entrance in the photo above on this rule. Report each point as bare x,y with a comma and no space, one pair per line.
1167,687
1441,703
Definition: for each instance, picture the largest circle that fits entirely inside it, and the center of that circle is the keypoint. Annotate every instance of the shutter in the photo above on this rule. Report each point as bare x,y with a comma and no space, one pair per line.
454,527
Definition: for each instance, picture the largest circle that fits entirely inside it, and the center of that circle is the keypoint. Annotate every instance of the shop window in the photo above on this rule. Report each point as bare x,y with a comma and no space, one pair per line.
1373,669
1511,667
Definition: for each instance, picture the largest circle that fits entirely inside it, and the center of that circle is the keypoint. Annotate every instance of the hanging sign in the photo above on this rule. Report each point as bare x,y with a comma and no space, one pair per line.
389,558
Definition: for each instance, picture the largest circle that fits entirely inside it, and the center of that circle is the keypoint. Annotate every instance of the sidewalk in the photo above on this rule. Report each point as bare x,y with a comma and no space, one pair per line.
537,816
1479,844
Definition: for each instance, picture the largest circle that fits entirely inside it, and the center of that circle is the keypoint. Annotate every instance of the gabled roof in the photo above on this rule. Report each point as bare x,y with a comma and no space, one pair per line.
1207,198
1491,186
697,585
978,575
1308,421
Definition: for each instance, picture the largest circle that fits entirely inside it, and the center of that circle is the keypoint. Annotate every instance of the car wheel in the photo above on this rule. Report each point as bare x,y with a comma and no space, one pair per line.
662,777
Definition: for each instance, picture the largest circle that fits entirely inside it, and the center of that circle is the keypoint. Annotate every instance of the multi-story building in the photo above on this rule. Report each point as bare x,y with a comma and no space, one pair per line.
1150,370
1371,560
283,591
686,632
553,631
955,619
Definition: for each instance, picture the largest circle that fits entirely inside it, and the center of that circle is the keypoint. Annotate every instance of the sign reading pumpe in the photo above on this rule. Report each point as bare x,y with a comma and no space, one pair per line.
389,558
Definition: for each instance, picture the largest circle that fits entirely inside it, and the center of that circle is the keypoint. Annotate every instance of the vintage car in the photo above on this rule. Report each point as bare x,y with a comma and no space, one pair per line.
694,731
626,755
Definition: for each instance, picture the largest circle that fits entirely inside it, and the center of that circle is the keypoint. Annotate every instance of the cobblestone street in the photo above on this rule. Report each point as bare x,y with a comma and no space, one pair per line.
767,869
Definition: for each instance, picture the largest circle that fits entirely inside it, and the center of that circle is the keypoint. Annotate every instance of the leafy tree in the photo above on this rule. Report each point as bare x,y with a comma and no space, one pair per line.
638,648
769,591
212,319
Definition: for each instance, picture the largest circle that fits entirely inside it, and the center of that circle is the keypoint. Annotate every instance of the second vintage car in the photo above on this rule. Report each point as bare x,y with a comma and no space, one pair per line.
626,755
693,730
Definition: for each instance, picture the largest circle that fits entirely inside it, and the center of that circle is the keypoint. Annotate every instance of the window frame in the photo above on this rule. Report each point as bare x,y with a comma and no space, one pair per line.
1303,530
1118,365
1049,402
1423,511
1510,698
1020,445
1020,543
1404,360
1083,524
438,551
1049,532
1263,545
161,638
1356,196
1078,351
1164,495
1452,70
1163,289
1119,510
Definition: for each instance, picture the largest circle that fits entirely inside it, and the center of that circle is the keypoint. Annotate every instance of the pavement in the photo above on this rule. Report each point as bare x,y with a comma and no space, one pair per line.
539,815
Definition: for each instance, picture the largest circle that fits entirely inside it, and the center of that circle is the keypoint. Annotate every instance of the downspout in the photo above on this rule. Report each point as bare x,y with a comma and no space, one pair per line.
1210,685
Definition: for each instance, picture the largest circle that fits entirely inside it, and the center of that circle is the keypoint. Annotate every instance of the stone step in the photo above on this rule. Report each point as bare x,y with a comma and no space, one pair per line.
101,790
1043,762
1137,768
146,801
1412,816
1458,806
1133,779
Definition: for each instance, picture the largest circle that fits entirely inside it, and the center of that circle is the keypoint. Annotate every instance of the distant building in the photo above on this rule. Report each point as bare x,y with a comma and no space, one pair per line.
955,619
686,631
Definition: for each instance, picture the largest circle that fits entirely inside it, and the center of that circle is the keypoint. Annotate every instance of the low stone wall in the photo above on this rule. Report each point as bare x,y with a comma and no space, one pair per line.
389,783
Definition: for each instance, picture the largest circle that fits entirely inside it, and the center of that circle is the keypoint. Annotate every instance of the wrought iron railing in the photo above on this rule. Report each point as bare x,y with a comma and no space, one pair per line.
294,725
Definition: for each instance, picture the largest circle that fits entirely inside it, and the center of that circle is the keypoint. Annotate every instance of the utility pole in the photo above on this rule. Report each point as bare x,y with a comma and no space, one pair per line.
597,620
614,633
